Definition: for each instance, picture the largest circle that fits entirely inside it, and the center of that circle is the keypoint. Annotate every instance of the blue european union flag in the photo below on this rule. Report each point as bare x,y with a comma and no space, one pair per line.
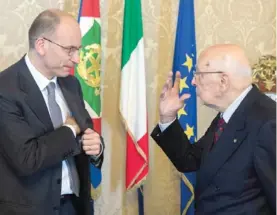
185,61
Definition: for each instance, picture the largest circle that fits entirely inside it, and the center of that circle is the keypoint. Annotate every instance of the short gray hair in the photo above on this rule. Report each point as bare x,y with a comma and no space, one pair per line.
44,24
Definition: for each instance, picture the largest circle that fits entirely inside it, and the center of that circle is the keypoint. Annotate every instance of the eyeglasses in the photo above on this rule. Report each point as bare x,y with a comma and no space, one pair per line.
200,73
69,49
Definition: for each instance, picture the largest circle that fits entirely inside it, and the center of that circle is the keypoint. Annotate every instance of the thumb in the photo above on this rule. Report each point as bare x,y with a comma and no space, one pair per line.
89,131
185,97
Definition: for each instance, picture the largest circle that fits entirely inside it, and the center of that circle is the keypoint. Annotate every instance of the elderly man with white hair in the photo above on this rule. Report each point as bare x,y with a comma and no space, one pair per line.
235,160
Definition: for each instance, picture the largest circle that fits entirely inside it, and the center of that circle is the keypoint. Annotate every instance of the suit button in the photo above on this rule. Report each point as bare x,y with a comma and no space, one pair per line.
59,181
217,189
55,208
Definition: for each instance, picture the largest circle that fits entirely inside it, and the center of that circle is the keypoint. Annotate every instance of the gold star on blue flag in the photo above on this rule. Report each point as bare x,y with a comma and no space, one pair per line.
185,61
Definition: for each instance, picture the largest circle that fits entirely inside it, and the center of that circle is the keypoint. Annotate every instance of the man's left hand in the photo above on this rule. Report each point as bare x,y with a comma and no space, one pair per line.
91,142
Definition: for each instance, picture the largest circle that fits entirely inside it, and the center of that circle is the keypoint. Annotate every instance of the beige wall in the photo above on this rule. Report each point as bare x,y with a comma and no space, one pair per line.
250,23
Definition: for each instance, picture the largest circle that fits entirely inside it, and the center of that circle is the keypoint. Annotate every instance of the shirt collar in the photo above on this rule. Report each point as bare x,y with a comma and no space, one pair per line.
40,79
232,108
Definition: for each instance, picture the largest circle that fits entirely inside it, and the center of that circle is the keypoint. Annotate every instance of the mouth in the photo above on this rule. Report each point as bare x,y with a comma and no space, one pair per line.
68,68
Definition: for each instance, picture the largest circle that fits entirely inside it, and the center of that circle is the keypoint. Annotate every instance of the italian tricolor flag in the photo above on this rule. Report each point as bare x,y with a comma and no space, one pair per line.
133,95
88,72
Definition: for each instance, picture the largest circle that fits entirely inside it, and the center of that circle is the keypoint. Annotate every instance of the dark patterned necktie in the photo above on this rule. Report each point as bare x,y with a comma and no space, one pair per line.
219,129
56,118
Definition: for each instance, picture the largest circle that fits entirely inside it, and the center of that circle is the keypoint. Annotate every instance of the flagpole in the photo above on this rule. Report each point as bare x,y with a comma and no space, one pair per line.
140,200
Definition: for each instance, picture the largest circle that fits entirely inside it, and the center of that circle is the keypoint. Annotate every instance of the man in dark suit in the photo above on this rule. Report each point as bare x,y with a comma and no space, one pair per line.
235,160
47,139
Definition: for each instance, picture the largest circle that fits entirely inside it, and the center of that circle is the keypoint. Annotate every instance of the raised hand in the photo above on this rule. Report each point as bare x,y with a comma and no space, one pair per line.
170,102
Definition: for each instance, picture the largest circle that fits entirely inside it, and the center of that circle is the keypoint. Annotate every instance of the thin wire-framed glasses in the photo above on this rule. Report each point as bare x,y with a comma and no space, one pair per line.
203,73
69,49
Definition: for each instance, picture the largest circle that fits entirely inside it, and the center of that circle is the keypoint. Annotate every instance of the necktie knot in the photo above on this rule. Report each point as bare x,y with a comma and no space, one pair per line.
220,122
54,109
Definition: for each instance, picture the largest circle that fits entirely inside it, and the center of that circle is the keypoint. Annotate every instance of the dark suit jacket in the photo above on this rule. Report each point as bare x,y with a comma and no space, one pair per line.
237,177
31,151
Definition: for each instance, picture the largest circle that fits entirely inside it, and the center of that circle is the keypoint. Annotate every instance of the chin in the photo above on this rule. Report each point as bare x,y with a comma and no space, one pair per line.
65,75
62,74
214,107
66,72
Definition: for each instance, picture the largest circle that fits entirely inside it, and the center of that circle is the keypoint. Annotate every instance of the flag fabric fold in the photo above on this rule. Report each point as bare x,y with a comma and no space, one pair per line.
185,61
133,95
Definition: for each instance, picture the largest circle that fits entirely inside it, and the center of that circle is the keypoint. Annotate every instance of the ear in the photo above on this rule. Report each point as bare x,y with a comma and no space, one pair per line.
224,82
41,46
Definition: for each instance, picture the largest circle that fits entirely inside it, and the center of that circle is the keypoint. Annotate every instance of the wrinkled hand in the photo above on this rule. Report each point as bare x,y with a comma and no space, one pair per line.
71,121
91,142
170,102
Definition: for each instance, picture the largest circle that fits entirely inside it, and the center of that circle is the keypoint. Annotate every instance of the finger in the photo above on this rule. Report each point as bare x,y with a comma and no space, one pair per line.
169,80
89,131
91,136
177,81
95,152
69,117
167,86
91,148
185,96
164,90
91,142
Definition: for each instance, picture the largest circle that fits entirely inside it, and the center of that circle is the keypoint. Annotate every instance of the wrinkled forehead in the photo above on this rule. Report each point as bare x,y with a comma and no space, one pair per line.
213,63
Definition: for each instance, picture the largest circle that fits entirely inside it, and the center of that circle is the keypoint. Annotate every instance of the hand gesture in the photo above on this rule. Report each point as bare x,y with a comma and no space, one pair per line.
91,142
71,121
170,102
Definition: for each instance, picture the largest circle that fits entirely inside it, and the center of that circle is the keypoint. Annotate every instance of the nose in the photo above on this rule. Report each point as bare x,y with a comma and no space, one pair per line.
75,58
193,83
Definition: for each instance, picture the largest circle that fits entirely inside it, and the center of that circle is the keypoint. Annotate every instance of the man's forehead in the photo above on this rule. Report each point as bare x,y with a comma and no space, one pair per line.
212,63
67,25
69,34
222,57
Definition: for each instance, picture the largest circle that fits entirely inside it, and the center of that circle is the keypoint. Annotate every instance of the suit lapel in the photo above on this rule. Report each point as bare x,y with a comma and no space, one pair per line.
208,138
33,95
72,103
234,134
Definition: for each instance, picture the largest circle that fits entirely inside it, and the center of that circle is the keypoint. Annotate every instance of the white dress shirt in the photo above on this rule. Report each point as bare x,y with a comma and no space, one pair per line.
227,113
42,83
232,108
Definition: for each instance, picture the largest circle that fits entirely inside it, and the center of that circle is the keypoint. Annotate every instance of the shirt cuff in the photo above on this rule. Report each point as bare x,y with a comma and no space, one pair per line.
164,126
72,128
